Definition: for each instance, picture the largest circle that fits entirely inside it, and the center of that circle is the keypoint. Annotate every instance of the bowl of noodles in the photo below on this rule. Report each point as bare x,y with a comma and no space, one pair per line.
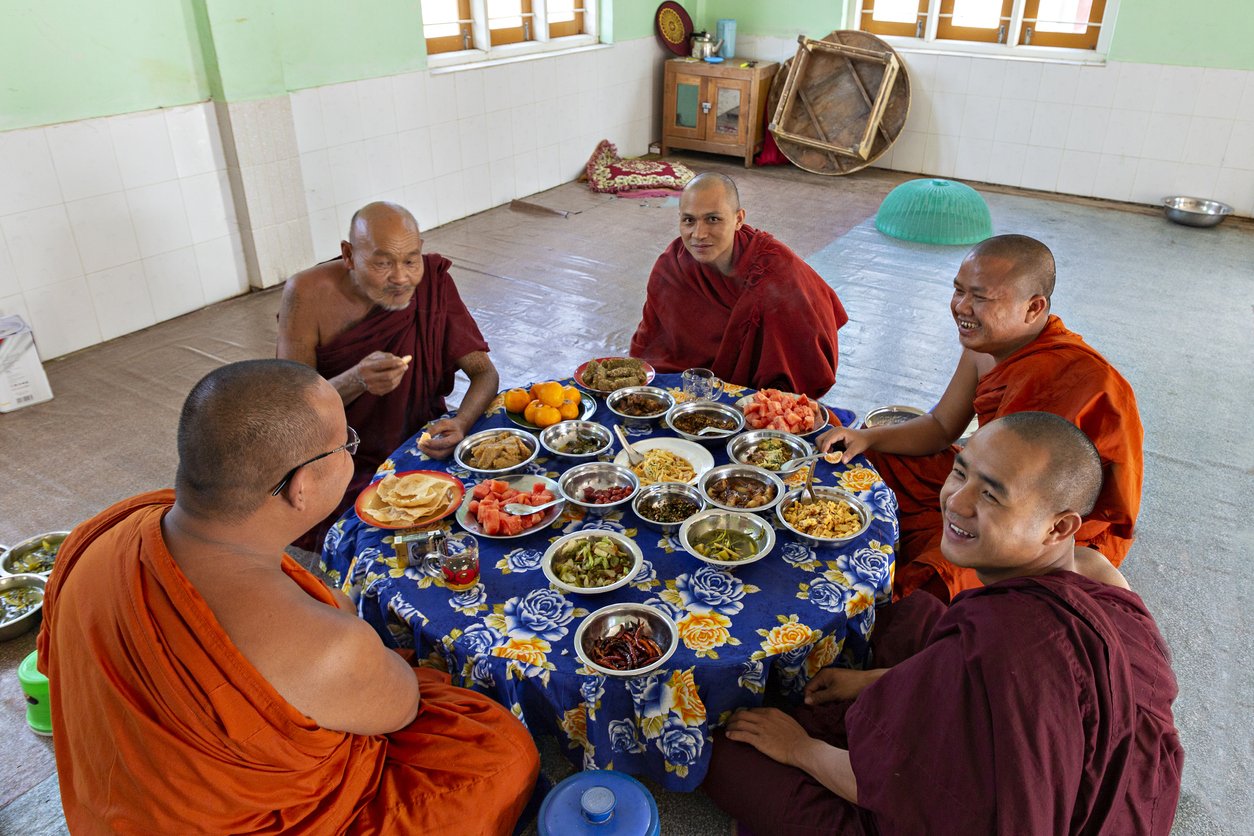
834,518
667,460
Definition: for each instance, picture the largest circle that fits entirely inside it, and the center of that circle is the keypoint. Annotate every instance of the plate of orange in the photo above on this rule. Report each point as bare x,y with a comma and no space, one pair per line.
544,404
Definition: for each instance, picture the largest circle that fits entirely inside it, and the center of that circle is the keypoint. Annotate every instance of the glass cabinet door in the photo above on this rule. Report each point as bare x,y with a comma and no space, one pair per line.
729,117
687,104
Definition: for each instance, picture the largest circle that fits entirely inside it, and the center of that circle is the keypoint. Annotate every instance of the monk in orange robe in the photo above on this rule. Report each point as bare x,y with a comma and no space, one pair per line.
1016,357
733,299
202,681
385,324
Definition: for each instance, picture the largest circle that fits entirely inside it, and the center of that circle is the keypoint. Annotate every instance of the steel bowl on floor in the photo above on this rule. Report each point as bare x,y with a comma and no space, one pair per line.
1195,211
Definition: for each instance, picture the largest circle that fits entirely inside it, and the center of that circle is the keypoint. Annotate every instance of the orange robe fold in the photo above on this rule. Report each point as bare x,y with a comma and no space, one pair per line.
1057,372
771,324
163,726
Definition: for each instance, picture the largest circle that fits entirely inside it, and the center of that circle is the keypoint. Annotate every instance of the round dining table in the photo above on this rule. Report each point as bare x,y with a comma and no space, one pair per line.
782,618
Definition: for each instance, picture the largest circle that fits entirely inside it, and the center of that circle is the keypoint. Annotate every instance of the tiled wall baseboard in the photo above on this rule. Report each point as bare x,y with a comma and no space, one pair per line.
111,225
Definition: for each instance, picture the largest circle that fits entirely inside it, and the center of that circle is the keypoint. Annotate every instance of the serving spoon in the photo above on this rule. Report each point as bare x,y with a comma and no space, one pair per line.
633,456
520,509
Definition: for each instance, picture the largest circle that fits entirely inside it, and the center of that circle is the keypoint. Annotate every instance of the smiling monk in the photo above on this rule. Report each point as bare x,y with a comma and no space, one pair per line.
733,299
385,325
201,681
1016,357
1038,704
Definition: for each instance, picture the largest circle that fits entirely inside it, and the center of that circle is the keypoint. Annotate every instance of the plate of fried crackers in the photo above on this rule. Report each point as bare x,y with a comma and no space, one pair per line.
410,499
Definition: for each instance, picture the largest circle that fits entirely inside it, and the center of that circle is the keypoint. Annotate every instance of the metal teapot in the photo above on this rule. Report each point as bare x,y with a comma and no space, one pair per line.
704,45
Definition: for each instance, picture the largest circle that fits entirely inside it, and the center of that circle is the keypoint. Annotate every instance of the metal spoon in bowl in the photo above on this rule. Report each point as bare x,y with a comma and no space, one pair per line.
633,456
713,431
520,509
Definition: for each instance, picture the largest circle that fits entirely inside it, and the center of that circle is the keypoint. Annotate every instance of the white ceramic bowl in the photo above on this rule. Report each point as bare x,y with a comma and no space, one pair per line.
697,456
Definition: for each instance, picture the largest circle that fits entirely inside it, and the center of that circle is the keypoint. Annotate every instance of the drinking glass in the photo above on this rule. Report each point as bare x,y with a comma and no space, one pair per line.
457,559
700,384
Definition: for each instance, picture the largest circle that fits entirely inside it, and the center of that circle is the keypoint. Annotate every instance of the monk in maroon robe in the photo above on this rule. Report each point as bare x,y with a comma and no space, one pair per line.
385,325
733,299
1037,704
1017,357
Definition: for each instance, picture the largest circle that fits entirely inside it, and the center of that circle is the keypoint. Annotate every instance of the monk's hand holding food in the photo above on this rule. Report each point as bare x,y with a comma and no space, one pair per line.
380,372
836,684
441,437
855,442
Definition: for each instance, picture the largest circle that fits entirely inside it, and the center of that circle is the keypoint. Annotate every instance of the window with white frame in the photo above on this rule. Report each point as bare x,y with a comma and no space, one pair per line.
463,31
1017,24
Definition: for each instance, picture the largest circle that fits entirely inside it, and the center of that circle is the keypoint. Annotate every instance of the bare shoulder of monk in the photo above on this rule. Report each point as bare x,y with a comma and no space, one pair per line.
325,662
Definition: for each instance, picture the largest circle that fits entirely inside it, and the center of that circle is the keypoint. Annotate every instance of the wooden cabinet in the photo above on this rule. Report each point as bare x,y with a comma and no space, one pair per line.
718,108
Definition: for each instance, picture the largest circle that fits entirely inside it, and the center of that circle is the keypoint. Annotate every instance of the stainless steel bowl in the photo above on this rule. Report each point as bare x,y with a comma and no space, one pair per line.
621,540
884,416
608,620
552,438
613,399
713,520
1195,211
30,544
860,508
15,627
740,447
742,471
464,446
651,494
706,407
597,475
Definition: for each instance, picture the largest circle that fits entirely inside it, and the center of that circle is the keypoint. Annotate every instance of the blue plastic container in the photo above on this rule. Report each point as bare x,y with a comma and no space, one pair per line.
599,803
725,31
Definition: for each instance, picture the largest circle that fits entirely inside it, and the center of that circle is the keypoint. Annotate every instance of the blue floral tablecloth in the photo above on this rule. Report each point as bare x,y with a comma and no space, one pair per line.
794,612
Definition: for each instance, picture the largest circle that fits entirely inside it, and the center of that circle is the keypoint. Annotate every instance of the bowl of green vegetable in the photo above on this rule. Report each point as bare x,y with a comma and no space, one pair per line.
32,556
592,561
21,600
727,538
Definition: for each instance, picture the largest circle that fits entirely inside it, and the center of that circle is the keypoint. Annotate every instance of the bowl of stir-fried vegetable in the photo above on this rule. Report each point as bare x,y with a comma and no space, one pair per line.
768,449
592,561
32,556
21,600
727,538
626,640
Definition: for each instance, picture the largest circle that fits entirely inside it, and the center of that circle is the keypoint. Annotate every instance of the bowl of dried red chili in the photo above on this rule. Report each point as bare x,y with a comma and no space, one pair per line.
626,640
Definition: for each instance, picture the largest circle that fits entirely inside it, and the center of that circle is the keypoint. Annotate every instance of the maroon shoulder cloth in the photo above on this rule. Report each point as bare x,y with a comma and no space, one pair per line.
772,323
1039,705
437,330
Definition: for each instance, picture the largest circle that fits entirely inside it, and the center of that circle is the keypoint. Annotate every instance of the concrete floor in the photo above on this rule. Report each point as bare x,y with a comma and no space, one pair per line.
1169,306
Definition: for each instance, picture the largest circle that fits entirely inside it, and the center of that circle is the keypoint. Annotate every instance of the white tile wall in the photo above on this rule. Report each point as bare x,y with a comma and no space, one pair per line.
110,225
452,144
1134,132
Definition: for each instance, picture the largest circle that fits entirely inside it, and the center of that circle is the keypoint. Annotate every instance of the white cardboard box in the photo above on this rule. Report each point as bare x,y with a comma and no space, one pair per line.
22,378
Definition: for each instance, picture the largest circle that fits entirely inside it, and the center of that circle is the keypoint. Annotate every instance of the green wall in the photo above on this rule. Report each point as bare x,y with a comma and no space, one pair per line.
1200,33
780,18
63,60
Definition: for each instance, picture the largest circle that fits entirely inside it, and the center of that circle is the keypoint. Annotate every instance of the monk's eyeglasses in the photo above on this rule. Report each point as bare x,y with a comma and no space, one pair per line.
350,447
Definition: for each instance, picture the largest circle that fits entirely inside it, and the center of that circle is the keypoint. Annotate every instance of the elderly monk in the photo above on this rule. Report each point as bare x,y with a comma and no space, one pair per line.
731,298
202,681
385,324
1016,357
1039,704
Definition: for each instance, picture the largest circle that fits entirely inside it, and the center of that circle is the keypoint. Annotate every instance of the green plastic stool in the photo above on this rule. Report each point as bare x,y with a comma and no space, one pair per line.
935,211
35,687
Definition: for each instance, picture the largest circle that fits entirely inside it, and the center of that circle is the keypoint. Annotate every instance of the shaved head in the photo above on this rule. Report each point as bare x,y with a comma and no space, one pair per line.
1032,263
714,180
1072,478
242,427
365,218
